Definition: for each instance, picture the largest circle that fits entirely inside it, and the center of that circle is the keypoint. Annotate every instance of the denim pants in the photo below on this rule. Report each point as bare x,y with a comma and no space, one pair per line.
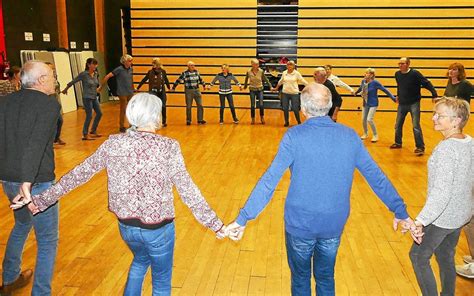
441,242
254,96
162,95
230,99
190,95
368,114
46,231
402,111
150,248
322,254
90,104
295,106
59,126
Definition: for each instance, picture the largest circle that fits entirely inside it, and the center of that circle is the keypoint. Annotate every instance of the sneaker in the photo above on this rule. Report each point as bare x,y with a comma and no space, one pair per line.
20,282
286,124
396,146
221,122
364,136
188,122
466,270
164,124
419,151
375,138
236,121
467,259
95,135
86,138
262,120
202,122
122,129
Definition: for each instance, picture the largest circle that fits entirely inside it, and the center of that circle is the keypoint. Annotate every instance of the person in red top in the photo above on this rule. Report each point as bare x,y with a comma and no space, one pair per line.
142,168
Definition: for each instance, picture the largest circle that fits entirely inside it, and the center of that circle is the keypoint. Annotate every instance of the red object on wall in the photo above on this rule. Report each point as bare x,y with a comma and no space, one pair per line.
4,64
2,31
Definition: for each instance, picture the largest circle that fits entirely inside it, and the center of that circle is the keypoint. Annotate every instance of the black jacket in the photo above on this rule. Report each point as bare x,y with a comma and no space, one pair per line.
28,121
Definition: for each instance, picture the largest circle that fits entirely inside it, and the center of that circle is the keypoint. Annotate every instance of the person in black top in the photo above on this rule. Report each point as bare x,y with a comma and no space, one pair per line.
320,76
458,86
157,81
409,83
27,129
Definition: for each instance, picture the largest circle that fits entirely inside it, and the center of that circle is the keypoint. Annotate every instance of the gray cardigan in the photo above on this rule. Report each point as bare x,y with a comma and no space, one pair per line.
449,203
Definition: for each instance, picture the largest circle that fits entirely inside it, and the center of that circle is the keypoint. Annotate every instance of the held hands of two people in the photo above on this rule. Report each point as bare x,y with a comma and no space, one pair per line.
24,199
234,231
415,228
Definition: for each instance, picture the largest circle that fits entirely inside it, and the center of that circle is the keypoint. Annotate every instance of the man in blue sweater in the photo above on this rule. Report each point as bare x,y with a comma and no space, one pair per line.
409,84
322,156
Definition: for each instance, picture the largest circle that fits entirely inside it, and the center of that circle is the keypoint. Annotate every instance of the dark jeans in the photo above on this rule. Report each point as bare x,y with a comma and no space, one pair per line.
190,95
254,96
295,106
414,110
90,104
45,225
442,242
230,99
150,248
162,96
59,126
322,254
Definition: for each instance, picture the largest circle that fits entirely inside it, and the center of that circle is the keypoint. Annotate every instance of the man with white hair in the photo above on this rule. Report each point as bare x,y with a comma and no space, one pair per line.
191,80
322,156
27,130
320,76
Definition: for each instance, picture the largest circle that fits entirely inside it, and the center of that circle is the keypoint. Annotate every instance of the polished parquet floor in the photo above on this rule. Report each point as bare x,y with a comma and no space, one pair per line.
226,162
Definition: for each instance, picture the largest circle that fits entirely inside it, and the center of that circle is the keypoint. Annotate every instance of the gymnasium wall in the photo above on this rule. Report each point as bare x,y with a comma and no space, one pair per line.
352,36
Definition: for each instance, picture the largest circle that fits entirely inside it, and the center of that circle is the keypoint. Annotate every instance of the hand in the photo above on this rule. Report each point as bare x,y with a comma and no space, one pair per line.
135,90
241,88
23,198
417,232
204,87
99,89
235,231
407,224
396,100
334,117
222,233
64,92
353,93
172,89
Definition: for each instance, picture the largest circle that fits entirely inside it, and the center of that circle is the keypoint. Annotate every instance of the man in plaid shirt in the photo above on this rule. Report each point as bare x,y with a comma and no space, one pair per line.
191,80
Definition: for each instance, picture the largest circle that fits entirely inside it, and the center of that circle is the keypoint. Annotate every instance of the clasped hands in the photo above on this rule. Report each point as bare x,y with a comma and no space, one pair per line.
234,231
23,198
414,227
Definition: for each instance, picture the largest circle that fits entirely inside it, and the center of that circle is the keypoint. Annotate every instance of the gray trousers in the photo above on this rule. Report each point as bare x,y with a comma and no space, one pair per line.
190,95
441,242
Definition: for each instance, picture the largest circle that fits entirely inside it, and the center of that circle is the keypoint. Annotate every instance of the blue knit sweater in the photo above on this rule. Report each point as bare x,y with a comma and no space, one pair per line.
322,156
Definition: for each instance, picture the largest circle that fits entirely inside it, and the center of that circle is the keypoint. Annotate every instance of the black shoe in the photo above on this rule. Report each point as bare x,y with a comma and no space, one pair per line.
164,124
396,146
286,124
202,122
419,151
188,122
122,129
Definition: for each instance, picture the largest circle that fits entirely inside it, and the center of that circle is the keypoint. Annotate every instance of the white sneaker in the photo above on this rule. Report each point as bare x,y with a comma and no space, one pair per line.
364,136
466,270
375,138
467,259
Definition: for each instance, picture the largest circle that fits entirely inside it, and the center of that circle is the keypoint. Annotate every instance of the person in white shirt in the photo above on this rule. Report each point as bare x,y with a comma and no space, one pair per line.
336,80
290,79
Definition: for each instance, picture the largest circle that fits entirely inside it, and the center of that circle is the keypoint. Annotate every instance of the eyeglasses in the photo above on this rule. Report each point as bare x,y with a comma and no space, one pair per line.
437,116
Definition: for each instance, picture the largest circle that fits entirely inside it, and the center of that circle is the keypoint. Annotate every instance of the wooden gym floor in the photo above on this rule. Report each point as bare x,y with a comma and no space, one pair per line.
226,162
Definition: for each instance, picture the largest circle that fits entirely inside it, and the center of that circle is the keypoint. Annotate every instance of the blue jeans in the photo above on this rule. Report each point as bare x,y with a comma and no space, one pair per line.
230,99
295,106
46,231
150,248
90,104
414,110
256,95
322,253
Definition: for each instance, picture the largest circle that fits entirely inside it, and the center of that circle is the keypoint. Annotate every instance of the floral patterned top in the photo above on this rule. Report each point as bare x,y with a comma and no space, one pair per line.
142,169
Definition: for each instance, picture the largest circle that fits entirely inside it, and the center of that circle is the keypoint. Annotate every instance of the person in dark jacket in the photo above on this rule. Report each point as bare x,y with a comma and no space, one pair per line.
409,84
225,79
320,76
28,121
157,80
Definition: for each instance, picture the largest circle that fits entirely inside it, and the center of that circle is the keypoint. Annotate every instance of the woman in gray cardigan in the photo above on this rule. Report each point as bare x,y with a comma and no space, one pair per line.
449,203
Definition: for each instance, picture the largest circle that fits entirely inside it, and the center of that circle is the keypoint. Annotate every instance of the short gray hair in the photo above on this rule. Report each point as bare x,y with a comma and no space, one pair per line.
144,110
31,73
316,100
125,58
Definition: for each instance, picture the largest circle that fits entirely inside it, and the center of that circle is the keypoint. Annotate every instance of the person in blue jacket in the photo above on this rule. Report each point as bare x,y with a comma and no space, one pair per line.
322,156
368,90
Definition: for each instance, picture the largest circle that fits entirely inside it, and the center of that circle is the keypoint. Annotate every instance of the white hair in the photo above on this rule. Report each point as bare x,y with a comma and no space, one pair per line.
125,58
31,73
316,100
144,110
